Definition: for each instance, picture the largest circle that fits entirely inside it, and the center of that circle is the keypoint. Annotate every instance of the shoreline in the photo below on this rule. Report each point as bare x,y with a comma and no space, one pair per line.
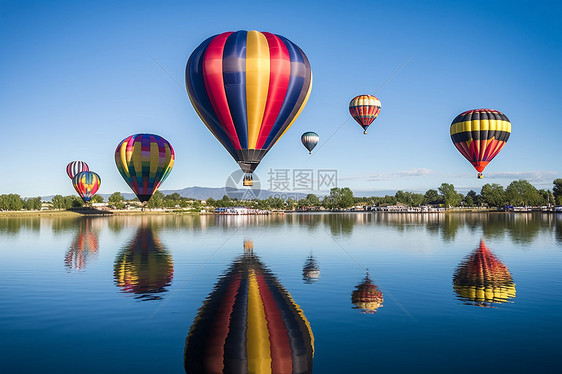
100,213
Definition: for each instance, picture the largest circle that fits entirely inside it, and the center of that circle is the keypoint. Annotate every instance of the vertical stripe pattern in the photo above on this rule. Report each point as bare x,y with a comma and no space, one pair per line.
76,167
309,140
364,109
249,324
86,183
248,87
144,161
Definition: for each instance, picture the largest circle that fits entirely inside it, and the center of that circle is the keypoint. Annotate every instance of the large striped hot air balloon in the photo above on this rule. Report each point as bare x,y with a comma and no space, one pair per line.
249,324
367,296
480,135
144,161
248,87
364,109
144,267
76,167
86,184
309,139
482,279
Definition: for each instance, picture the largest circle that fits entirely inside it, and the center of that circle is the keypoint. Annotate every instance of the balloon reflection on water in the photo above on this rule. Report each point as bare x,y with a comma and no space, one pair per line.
144,267
367,296
310,270
249,324
482,279
84,247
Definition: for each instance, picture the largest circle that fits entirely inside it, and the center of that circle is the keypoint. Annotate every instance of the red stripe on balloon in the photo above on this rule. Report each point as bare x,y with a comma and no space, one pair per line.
280,72
219,330
214,83
281,358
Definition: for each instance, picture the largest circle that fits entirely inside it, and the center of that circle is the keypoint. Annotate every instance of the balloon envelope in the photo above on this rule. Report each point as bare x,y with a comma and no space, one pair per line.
76,167
364,109
86,184
248,87
309,140
249,324
144,161
479,135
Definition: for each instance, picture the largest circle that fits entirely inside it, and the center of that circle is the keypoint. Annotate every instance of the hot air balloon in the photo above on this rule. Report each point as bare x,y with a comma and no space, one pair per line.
249,324
364,109
482,279
367,296
248,87
310,270
144,161
309,140
86,183
479,135
84,247
144,267
76,167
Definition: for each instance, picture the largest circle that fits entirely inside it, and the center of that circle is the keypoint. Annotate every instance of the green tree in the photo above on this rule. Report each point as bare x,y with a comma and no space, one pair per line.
116,200
388,199
449,195
58,202
431,197
339,198
313,200
417,199
172,200
156,201
291,203
557,191
522,193
96,199
493,195
403,197
33,203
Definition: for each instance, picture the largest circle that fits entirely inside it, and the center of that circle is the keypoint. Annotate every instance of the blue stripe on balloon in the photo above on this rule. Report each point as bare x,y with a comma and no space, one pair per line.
195,85
296,83
234,76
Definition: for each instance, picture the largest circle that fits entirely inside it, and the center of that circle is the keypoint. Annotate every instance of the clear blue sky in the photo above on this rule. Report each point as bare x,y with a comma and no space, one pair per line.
76,77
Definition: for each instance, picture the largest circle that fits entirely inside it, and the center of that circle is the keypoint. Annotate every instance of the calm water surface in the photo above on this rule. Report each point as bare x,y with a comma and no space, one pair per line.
328,293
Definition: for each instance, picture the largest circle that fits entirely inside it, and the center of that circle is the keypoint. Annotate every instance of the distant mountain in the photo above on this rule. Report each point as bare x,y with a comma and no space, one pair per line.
204,193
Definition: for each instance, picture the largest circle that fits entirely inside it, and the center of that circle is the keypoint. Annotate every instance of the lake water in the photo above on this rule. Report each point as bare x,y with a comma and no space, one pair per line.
332,293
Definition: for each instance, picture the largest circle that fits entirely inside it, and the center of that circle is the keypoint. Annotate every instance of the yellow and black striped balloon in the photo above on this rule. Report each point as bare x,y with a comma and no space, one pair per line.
479,135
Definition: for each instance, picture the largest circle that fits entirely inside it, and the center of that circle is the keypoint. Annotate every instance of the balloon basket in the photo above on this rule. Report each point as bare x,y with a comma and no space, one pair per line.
248,181
480,176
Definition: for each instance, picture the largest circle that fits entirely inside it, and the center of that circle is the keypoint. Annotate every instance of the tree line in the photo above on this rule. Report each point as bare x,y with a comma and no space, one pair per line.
517,193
